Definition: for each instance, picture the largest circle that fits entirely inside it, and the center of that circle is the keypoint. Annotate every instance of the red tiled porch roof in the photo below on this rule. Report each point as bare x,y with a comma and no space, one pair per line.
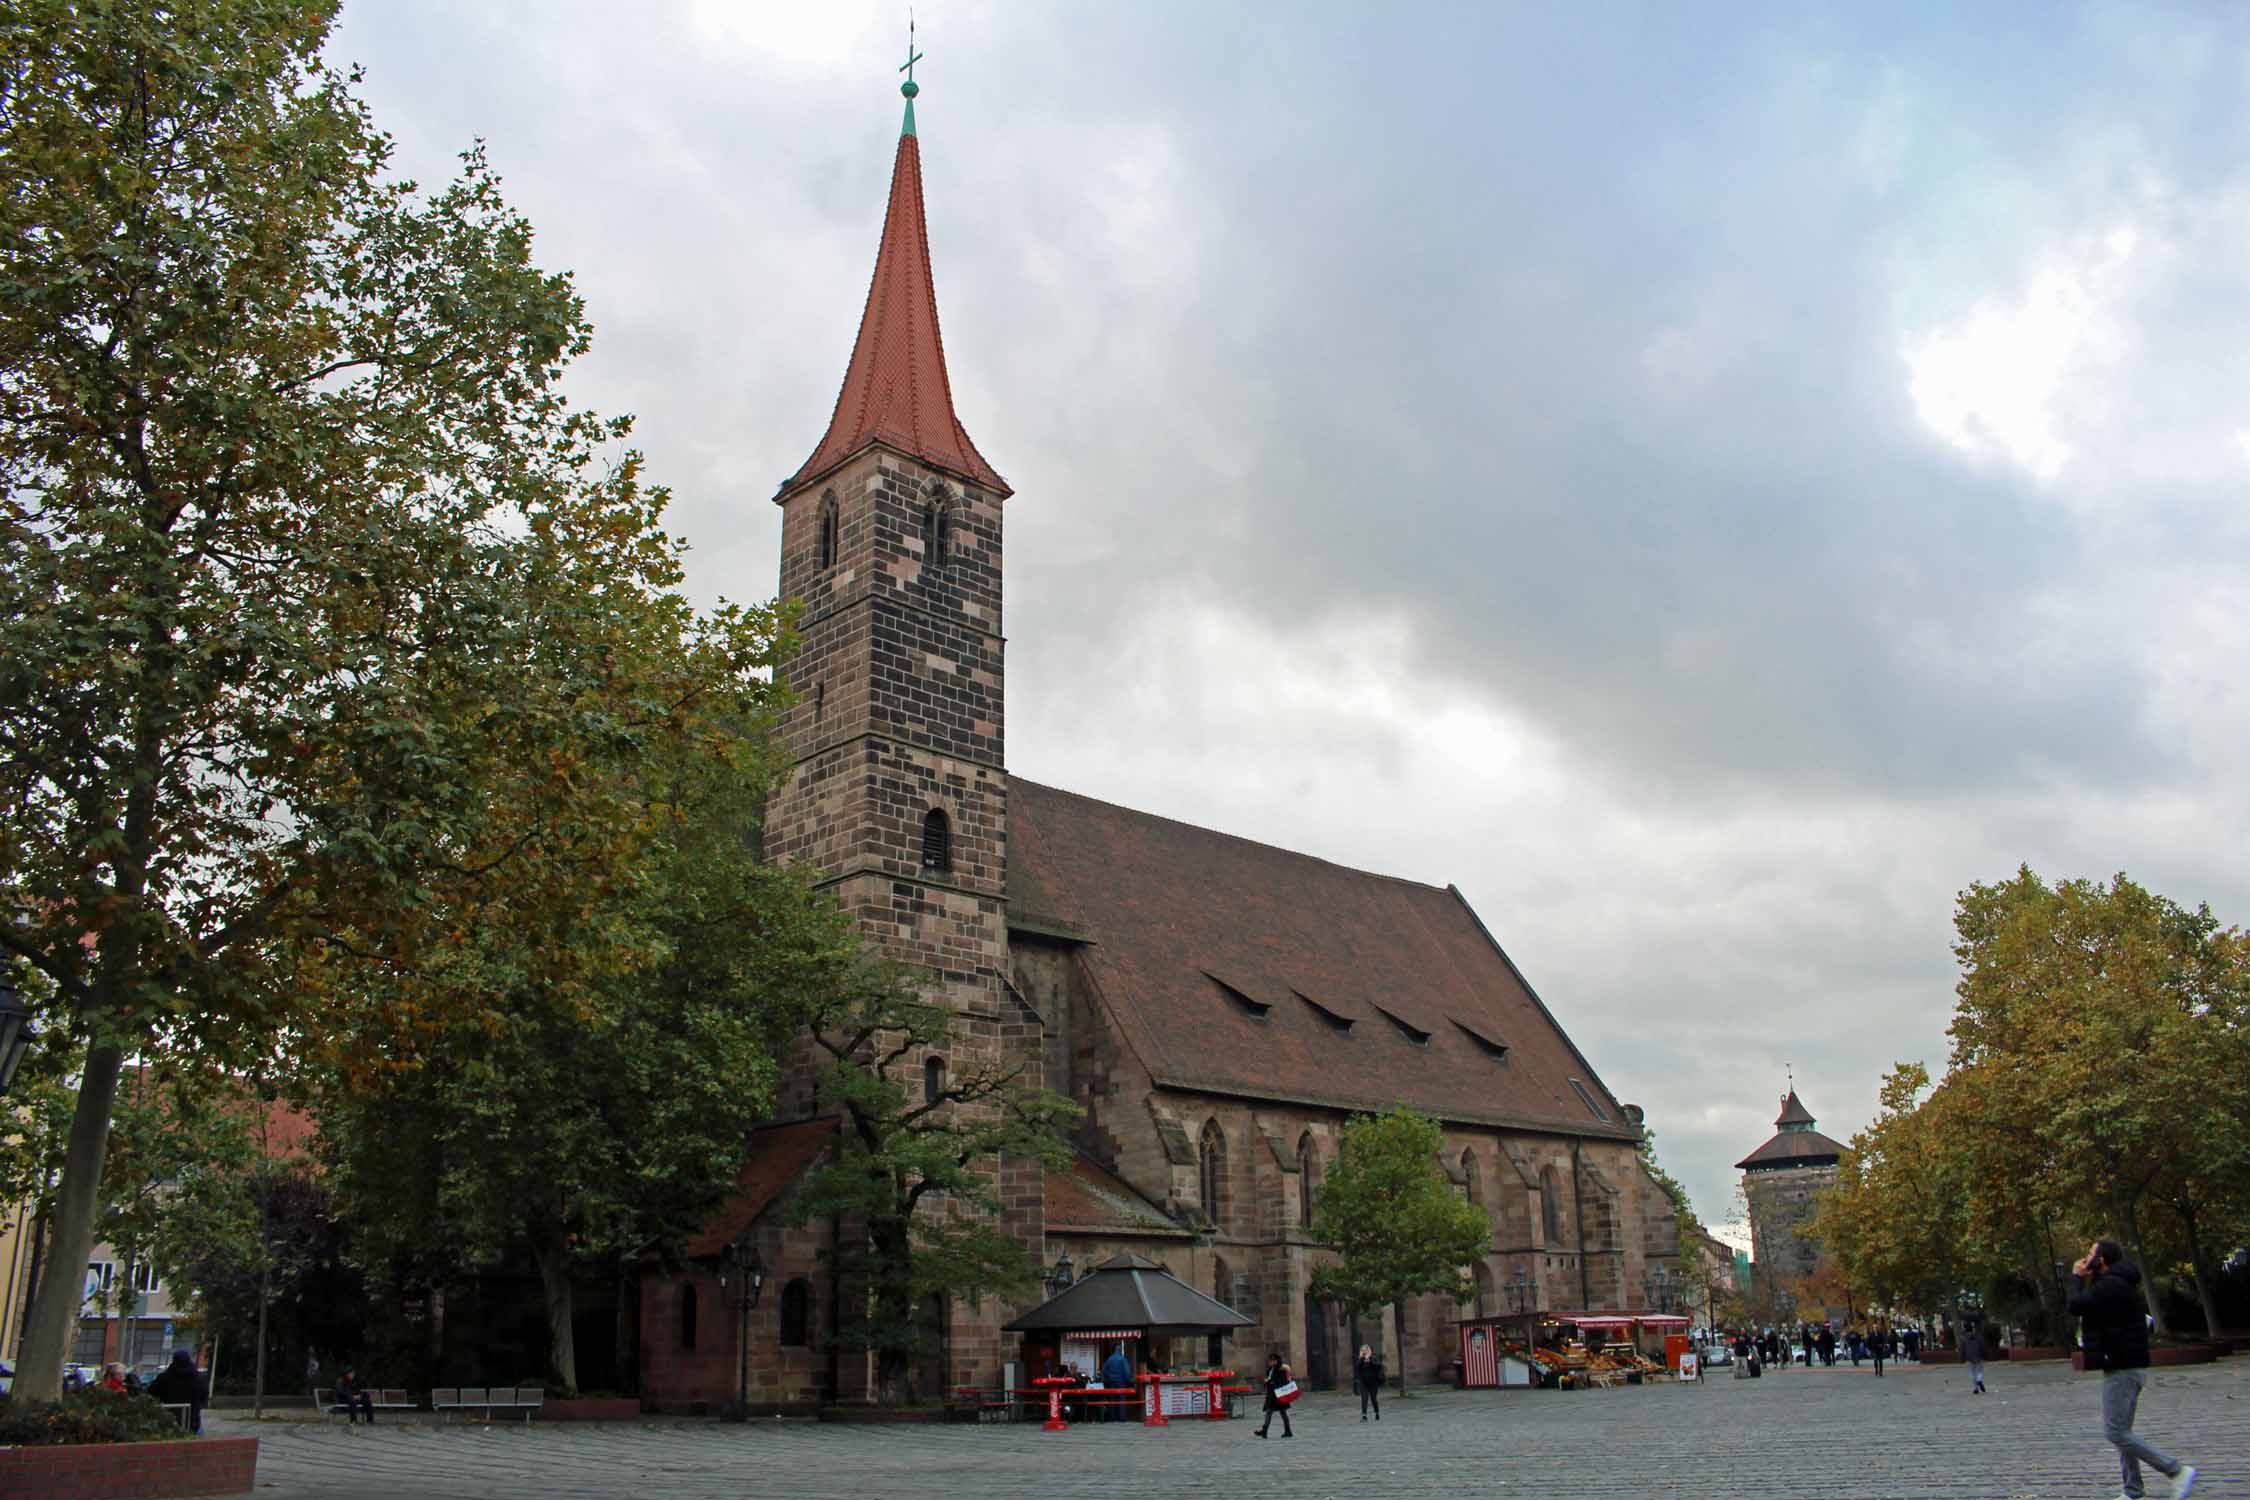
778,1154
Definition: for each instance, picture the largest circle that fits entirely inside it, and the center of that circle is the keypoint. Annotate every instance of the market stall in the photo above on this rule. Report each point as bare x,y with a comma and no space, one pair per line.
1132,1305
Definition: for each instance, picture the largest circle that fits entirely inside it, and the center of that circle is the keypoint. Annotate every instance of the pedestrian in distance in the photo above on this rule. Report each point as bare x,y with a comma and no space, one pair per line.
1879,1344
1367,1377
1972,1355
1278,1379
2114,1331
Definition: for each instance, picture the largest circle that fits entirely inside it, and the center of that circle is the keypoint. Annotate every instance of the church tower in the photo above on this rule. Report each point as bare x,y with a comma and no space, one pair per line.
891,539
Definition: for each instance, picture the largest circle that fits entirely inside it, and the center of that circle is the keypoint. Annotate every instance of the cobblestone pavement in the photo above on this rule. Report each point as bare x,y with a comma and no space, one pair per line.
1841,1432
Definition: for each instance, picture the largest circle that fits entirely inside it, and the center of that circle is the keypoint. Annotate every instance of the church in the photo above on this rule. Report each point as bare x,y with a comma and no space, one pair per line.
1217,1007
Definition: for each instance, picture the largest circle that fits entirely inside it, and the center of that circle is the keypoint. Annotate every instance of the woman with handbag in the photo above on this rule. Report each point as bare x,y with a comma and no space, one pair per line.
1367,1375
1281,1389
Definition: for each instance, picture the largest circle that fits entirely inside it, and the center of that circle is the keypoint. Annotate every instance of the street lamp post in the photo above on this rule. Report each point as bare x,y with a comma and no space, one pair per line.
1058,1280
15,1030
741,1267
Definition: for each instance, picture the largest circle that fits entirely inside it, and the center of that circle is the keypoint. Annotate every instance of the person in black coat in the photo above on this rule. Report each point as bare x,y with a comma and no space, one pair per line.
180,1383
1277,1376
1367,1379
1972,1355
2114,1332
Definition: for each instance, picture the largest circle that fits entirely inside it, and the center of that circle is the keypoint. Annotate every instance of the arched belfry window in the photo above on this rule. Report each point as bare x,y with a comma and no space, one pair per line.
1212,1162
1307,1169
933,1079
937,843
937,531
828,530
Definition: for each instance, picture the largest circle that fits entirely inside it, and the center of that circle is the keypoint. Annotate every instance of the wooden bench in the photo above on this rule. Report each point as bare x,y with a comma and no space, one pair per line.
378,1399
463,1399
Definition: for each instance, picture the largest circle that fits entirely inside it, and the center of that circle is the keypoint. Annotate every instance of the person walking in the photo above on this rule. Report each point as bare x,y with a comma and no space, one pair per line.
1367,1377
180,1383
1277,1376
2113,1318
1828,1345
1878,1345
1804,1335
1972,1355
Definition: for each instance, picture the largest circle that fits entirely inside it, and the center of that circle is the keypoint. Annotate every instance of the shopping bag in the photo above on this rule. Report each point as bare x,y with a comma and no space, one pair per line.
1286,1392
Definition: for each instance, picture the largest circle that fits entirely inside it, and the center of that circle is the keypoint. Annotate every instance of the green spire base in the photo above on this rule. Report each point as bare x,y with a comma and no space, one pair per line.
908,127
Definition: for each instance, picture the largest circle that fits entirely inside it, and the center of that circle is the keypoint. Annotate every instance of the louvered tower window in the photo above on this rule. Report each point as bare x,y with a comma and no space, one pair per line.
937,529
937,843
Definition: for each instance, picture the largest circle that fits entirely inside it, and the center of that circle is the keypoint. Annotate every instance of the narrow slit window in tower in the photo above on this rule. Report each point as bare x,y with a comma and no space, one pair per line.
937,843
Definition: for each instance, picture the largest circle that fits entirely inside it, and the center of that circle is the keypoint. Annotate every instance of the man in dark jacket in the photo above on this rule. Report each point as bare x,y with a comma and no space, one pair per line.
181,1384
2114,1320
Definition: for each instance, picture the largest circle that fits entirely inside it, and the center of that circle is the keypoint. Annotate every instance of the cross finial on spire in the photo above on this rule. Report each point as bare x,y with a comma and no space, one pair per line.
909,88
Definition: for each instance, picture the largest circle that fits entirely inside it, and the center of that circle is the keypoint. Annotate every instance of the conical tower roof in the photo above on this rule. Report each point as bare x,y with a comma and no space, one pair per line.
895,389
1793,1112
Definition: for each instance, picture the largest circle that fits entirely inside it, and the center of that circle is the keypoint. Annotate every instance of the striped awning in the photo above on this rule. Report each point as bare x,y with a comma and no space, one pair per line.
1103,1333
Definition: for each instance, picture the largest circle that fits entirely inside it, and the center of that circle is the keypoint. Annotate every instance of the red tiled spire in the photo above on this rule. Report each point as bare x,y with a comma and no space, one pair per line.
895,389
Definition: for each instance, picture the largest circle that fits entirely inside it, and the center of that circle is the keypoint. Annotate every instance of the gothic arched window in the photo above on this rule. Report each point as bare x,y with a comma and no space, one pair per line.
1307,1168
1472,1177
933,1079
828,532
796,1314
1212,1161
1550,1204
687,1316
937,842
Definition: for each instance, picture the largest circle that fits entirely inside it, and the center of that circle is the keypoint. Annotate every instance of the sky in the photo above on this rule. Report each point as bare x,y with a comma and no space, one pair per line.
1710,482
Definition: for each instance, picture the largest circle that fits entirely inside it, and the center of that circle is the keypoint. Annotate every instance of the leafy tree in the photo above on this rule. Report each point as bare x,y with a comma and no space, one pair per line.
1398,1228
614,1126
301,556
1894,1221
916,1170
2114,1020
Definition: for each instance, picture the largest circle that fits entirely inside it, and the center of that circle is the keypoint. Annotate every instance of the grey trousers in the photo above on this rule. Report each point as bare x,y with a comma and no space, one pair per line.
2121,1395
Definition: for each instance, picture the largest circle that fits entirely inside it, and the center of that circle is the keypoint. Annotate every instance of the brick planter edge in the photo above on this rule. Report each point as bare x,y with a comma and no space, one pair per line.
130,1471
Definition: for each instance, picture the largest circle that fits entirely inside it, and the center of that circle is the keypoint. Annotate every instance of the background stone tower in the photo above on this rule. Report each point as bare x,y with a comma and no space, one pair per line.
1779,1180
891,538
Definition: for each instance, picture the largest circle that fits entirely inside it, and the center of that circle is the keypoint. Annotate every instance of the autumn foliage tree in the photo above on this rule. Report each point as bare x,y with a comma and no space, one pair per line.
301,553
2099,1085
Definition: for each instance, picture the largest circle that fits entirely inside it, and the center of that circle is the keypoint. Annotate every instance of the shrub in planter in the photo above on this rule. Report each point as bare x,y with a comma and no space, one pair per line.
86,1417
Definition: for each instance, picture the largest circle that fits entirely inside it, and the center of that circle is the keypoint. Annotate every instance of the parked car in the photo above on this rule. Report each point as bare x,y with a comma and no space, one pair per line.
1717,1354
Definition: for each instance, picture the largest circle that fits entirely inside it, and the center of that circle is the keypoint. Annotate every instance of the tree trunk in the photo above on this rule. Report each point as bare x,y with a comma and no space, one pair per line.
2206,1274
126,1304
265,1301
1405,1345
894,1311
553,1254
54,1308
2132,1228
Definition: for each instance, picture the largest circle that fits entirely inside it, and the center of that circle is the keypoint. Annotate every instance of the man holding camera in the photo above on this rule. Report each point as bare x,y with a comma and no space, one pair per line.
2115,1322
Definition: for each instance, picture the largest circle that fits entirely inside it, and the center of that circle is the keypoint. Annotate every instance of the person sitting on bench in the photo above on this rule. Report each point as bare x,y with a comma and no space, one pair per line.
354,1397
